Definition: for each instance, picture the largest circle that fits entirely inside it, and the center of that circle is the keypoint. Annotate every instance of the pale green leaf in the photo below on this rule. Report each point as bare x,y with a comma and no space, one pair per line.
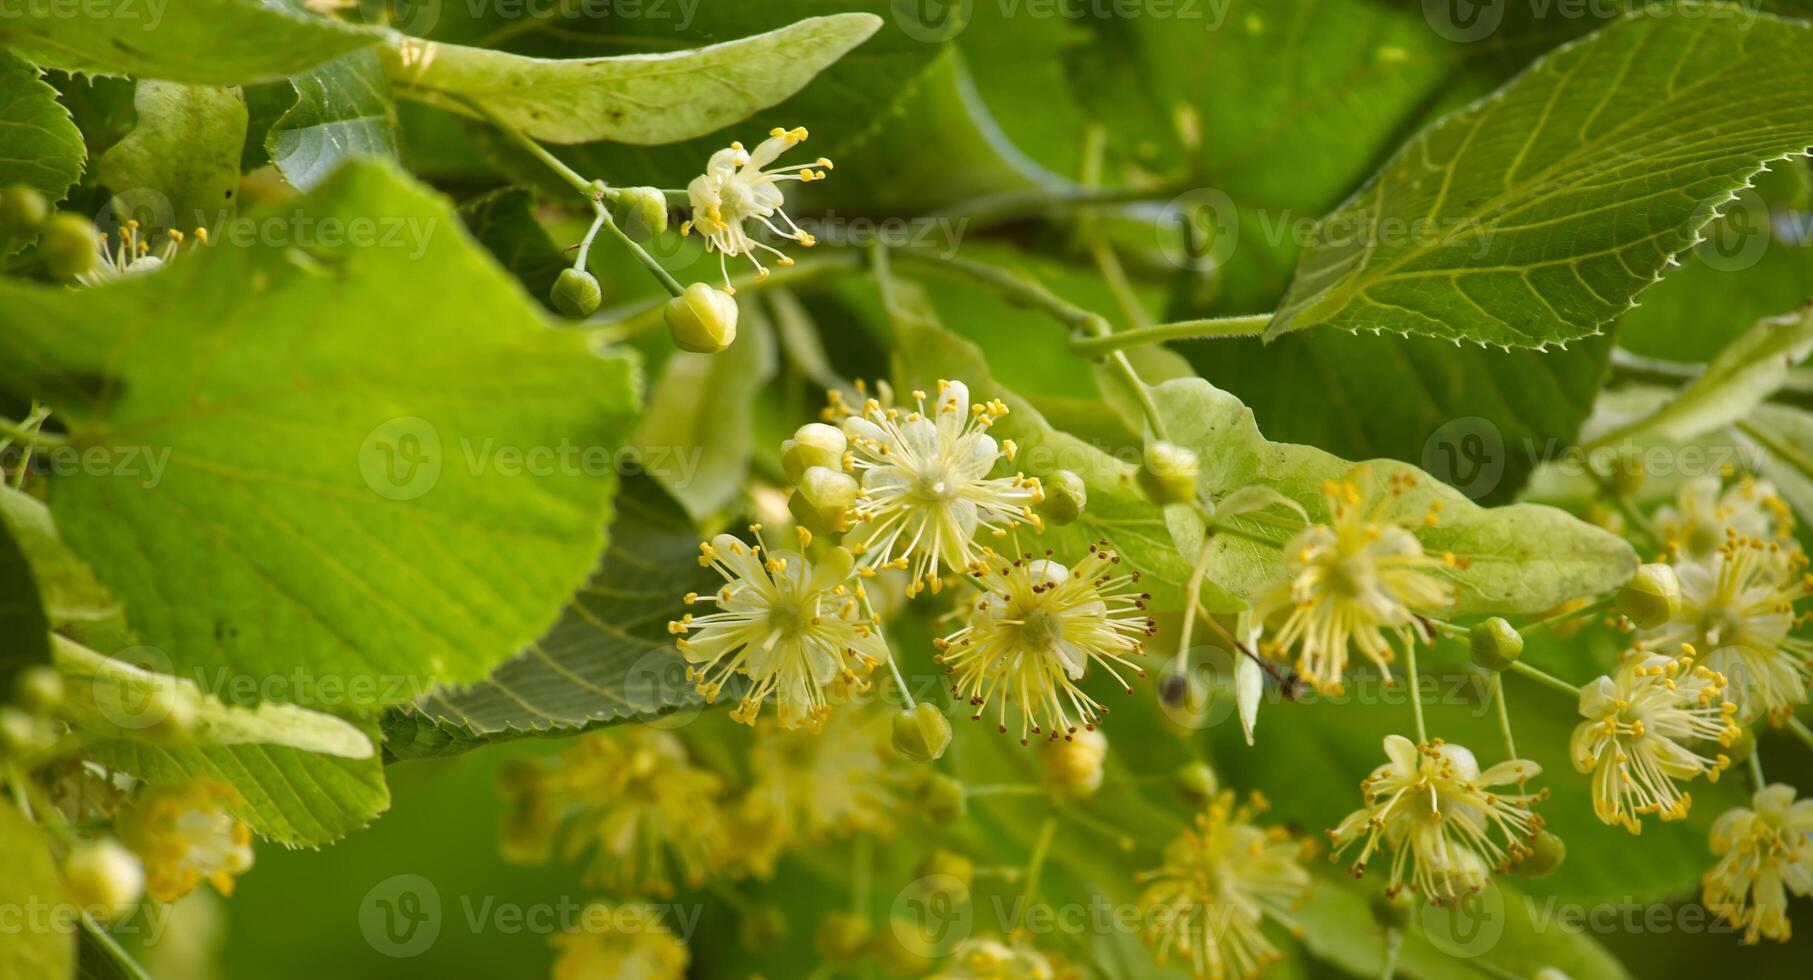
31,949
1534,217
398,491
181,162
343,109
43,147
609,659
66,583
206,42
641,99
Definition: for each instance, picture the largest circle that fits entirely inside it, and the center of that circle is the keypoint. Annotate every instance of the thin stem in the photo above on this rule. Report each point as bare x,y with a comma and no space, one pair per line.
1504,715
1193,590
883,272
1756,767
1546,679
1022,204
523,140
1035,865
1801,731
1227,326
1416,692
585,244
28,432
1779,449
112,948
906,696
1560,618
1005,789
661,275
1394,941
1009,285
621,323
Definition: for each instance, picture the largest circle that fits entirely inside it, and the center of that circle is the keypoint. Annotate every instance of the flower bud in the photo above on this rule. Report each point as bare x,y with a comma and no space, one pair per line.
947,864
943,800
1196,784
921,733
761,927
641,212
105,879
842,939
822,502
39,690
703,319
1626,477
1065,498
1074,765
576,293
1652,597
1547,851
1168,474
1496,644
22,212
813,444
23,734
70,246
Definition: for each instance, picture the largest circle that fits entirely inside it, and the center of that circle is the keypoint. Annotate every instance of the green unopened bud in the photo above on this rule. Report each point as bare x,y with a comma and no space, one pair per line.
640,211
1196,783
1065,498
1074,765
843,939
822,502
39,690
762,927
23,734
22,212
947,864
1496,644
105,879
703,319
1652,597
813,444
1626,477
943,800
1547,852
922,733
70,246
576,293
1390,911
1168,474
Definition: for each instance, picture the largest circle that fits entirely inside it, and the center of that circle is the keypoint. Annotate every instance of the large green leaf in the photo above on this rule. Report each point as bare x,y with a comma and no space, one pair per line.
642,99
207,42
1528,218
180,164
43,147
399,491
65,583
39,942
609,659
343,109
1519,558
504,222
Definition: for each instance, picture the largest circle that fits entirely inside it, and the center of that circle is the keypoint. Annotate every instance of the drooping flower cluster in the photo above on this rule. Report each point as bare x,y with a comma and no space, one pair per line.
1220,882
185,836
1359,581
1765,852
1035,630
1435,810
799,632
1705,512
736,188
1640,736
649,952
814,786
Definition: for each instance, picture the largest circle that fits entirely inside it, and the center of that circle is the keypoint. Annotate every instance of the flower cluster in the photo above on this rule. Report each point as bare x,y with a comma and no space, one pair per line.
736,189
1643,725
185,836
1765,851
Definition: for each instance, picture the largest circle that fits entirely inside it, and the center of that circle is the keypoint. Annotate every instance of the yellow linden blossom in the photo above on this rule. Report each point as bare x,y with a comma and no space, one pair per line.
1221,880
1036,629
801,634
926,491
635,799
1764,853
983,958
1705,512
133,254
1433,807
735,188
185,836
814,787
649,951
1738,611
1358,580
1640,726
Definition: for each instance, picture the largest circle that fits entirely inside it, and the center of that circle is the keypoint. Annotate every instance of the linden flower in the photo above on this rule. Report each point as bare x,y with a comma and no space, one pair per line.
735,188
1764,853
635,797
815,787
133,255
1035,631
983,958
1360,579
1738,611
1636,740
1697,523
1220,882
925,484
799,633
648,952
184,835
1431,805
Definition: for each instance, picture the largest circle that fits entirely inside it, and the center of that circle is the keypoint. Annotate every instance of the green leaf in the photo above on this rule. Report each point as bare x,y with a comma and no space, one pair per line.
1786,436
700,424
640,99
610,658
22,618
44,148
1529,219
504,222
205,42
343,109
182,160
65,583
32,892
397,491
1521,558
